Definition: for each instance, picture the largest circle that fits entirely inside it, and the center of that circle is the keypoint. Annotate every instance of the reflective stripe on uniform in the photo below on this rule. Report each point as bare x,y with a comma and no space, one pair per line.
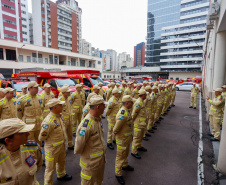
213,109
60,173
76,107
66,117
86,177
128,134
135,125
28,149
51,119
142,119
3,157
90,123
72,114
114,114
30,120
47,110
83,164
58,143
96,154
116,169
49,158
121,147
1,103
118,142
137,129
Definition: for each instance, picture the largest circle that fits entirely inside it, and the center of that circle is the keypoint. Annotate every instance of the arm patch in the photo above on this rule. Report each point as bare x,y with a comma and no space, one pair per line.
31,143
85,123
122,112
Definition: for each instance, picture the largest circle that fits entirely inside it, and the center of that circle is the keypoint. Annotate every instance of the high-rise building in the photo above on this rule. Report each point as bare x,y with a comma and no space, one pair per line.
139,54
14,21
110,60
176,33
86,47
56,25
124,60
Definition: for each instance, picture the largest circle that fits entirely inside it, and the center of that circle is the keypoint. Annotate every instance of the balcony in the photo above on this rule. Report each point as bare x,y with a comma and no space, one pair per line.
183,45
183,39
181,66
182,52
181,59
195,7
183,31
193,15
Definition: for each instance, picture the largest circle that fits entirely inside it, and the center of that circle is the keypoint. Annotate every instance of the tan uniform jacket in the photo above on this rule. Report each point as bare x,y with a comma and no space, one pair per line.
90,143
123,127
52,131
160,98
128,91
149,102
108,93
20,167
139,114
85,110
135,93
83,96
76,101
174,90
91,95
66,113
194,91
112,109
7,108
46,97
29,109
217,105
101,92
20,95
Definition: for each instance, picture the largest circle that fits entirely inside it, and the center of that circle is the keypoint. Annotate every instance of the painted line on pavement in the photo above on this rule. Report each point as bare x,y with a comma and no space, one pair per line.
200,148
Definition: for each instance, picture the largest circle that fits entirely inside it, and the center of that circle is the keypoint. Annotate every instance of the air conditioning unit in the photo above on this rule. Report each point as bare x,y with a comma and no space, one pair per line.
209,23
214,11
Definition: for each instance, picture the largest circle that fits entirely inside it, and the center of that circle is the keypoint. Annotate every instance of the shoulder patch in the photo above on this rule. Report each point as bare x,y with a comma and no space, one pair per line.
31,143
110,103
85,123
137,105
121,117
123,111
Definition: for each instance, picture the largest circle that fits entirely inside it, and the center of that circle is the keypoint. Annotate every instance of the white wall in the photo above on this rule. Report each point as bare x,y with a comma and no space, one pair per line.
37,22
184,75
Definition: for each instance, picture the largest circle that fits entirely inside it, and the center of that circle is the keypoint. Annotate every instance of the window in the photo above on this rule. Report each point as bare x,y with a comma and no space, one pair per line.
73,61
3,85
10,54
28,59
21,58
51,59
24,39
23,5
43,12
46,60
68,63
55,60
25,33
7,6
43,19
34,56
40,58
99,62
9,21
1,54
90,64
23,12
10,36
82,63
24,26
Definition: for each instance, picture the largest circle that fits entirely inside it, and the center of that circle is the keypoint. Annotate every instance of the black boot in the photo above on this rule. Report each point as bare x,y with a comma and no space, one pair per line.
142,149
128,168
120,179
190,107
151,131
70,148
136,156
145,138
110,146
65,178
148,135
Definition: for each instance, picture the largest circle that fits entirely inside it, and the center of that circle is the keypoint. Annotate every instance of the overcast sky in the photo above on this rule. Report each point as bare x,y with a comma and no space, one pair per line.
113,24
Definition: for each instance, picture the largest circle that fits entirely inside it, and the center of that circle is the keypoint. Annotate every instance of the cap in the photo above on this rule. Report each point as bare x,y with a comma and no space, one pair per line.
112,83
117,84
78,85
115,90
148,88
109,85
65,89
2,90
96,87
218,90
53,102
138,84
81,83
100,83
123,82
46,85
8,89
32,84
145,82
127,98
142,91
224,86
12,126
194,83
23,87
96,100
154,87
129,83
65,85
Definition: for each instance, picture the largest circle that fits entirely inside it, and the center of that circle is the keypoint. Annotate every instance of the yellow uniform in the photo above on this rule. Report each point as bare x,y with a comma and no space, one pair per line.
7,108
101,92
194,94
215,115
91,145
20,95
83,97
135,93
128,91
123,130
149,103
76,103
29,109
66,116
85,110
173,95
111,111
139,116
45,98
159,105
108,94
20,167
53,133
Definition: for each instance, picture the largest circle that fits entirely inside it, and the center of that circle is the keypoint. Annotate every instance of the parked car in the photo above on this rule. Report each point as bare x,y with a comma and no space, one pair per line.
186,86
106,83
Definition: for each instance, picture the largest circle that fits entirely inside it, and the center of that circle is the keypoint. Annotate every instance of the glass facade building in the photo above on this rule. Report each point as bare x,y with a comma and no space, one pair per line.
175,34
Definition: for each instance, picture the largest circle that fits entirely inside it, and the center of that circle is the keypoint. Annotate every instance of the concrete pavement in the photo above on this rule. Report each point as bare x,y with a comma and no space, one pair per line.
172,152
